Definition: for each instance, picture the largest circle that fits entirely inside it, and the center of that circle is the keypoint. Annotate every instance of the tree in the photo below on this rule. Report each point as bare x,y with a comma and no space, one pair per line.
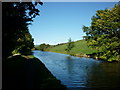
70,45
43,46
104,33
16,16
24,44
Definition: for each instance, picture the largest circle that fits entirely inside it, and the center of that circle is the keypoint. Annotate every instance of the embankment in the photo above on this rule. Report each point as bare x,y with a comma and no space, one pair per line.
28,73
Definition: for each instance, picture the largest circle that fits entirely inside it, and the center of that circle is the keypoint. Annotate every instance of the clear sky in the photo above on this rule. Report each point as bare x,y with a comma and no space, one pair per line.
59,21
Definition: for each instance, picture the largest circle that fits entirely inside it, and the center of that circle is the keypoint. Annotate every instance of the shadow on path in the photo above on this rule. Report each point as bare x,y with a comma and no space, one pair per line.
27,74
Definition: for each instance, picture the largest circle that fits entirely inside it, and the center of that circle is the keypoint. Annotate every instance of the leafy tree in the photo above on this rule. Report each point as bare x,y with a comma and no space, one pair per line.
16,16
104,33
43,46
24,44
70,45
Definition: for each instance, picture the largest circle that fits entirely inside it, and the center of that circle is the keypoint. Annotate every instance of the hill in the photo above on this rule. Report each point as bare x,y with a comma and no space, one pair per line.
80,48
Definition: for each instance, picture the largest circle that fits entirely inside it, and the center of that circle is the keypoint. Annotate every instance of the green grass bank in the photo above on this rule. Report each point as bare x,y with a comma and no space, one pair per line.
81,49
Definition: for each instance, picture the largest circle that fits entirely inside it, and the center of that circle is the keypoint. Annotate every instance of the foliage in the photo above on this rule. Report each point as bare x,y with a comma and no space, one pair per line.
24,44
43,47
70,45
16,16
104,33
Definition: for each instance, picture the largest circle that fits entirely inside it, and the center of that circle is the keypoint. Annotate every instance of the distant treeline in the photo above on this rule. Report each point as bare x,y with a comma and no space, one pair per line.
43,47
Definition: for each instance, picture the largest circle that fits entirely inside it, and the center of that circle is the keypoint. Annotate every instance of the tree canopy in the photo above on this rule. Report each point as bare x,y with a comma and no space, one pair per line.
104,33
16,16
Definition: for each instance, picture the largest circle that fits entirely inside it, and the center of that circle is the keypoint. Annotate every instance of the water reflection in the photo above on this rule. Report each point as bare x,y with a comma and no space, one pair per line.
69,57
81,72
69,65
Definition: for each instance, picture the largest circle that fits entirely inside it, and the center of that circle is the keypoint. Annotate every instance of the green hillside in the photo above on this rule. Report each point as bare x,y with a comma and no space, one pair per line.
80,48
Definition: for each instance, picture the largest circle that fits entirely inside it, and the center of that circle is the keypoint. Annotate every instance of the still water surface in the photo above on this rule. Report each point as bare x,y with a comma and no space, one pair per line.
75,72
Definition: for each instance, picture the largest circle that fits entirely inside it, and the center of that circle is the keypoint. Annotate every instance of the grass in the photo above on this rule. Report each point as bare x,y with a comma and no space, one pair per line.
28,73
80,48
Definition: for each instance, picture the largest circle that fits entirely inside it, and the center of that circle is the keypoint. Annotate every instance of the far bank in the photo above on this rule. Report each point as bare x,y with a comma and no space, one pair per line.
80,49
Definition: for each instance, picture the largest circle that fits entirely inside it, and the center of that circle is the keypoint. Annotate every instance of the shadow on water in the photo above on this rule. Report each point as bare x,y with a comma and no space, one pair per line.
104,75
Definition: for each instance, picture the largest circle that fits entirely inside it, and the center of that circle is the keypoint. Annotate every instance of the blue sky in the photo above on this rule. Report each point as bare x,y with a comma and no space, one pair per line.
59,21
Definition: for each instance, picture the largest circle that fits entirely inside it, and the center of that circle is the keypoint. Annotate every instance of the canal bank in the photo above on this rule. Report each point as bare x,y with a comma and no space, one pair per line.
28,72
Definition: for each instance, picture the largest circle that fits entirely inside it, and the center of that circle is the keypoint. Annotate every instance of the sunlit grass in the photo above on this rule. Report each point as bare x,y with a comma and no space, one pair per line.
80,48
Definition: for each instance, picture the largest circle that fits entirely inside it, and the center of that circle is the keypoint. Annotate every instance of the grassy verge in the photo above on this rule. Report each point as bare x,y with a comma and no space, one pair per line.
27,73
81,49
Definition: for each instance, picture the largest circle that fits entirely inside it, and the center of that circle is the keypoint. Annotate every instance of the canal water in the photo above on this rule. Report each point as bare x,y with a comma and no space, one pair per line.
79,73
